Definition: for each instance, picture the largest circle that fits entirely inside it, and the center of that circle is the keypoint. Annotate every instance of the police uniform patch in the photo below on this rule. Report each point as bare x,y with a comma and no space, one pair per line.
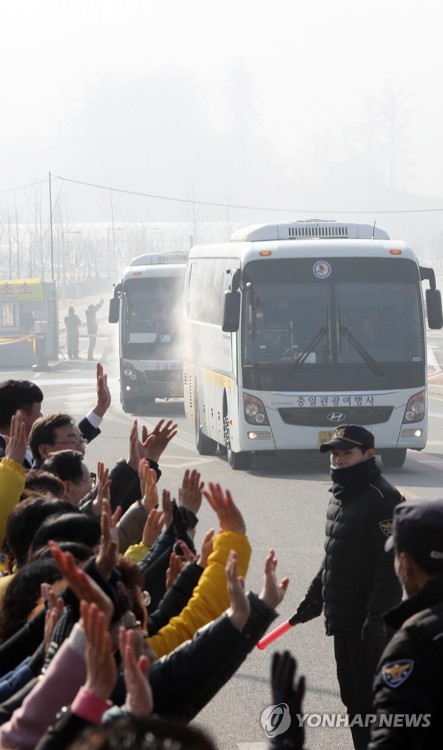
386,526
395,673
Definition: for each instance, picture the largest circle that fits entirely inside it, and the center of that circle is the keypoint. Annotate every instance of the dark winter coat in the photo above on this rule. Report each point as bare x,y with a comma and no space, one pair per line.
357,576
409,680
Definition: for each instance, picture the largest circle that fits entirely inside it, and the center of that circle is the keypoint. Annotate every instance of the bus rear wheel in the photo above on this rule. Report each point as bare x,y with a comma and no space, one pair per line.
394,457
204,444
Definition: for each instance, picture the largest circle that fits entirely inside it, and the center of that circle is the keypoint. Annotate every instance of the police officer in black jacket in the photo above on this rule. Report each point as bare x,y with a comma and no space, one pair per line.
408,696
356,583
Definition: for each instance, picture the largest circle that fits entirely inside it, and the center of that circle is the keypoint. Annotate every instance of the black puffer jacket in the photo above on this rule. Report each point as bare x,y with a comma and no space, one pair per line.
357,576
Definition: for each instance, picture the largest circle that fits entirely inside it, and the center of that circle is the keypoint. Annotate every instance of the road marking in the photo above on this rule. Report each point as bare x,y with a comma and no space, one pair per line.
62,381
176,462
422,458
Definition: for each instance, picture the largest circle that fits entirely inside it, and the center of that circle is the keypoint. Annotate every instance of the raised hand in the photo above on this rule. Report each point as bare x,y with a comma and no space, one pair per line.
183,551
153,527
228,514
191,492
103,488
16,442
176,565
138,449
139,700
83,586
101,669
54,607
107,556
103,392
273,592
148,483
206,548
163,435
167,507
240,607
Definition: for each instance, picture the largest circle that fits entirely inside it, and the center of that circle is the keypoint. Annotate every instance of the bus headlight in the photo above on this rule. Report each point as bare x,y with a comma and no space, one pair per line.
255,412
415,408
129,371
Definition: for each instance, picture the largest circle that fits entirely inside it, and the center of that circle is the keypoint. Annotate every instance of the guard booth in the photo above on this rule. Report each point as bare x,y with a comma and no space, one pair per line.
28,322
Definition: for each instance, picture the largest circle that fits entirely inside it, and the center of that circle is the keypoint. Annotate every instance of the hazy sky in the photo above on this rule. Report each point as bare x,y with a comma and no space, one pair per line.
112,90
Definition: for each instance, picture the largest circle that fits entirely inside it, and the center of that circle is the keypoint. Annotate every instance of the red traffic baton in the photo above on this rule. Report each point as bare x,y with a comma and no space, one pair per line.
277,632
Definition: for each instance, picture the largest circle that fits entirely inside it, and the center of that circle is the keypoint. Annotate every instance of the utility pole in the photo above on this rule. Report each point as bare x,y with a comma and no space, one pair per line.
50,229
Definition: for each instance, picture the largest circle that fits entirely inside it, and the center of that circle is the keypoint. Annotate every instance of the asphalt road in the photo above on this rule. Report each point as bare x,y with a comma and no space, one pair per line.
284,504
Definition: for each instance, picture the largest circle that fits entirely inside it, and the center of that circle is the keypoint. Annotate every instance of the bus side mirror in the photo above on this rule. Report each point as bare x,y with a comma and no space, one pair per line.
434,308
114,310
231,312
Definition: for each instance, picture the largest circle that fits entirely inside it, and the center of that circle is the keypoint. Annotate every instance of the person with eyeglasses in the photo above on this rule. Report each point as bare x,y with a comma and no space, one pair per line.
56,432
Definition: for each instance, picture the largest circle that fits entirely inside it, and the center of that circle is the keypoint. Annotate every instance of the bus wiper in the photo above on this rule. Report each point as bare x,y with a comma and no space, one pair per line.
364,354
162,330
309,349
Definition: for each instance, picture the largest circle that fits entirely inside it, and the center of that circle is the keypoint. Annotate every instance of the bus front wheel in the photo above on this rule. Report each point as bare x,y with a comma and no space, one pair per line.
393,457
144,404
129,405
235,460
238,460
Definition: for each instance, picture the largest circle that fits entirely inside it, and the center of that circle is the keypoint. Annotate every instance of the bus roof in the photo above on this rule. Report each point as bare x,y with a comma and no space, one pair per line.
309,229
151,272
244,252
154,259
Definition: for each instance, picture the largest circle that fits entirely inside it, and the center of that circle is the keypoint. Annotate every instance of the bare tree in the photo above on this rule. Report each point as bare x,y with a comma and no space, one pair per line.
388,123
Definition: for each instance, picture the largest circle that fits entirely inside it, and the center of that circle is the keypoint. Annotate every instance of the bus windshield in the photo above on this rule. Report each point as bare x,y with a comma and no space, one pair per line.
360,327
152,311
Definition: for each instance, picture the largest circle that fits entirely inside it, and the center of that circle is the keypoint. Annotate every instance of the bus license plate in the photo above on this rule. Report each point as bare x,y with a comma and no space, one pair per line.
325,436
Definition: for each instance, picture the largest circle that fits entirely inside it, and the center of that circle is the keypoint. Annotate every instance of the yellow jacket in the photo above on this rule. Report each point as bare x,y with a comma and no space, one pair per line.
210,597
137,551
12,484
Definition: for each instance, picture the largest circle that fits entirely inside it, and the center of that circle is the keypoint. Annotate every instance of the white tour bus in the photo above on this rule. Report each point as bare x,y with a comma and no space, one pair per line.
148,305
293,329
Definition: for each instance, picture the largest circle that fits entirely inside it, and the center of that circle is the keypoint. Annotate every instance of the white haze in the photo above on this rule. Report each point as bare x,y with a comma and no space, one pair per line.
310,107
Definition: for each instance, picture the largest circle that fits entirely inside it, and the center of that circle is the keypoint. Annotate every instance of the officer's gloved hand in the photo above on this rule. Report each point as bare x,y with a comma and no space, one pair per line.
307,610
374,633
287,696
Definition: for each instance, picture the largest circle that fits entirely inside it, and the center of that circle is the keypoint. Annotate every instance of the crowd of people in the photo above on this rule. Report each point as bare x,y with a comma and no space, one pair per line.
115,630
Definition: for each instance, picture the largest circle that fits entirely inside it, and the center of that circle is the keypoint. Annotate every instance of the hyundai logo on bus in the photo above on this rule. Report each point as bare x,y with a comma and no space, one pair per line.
336,416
